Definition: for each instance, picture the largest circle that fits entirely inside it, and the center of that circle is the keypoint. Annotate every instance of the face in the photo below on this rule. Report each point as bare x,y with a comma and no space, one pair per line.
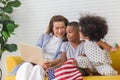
81,34
59,29
72,34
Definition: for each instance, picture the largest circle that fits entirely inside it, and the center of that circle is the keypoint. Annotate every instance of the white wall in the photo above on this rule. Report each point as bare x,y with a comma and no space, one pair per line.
33,16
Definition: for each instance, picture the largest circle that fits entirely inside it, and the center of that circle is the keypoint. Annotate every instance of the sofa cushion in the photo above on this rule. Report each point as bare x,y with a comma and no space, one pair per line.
101,77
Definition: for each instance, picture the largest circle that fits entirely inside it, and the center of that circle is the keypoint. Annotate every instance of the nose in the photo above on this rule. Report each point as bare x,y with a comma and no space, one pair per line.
59,30
67,35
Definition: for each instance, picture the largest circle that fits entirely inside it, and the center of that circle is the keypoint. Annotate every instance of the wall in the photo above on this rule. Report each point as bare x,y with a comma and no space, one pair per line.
33,16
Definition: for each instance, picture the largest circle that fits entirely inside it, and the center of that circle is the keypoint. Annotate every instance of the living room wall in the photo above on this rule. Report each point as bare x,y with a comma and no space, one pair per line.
33,16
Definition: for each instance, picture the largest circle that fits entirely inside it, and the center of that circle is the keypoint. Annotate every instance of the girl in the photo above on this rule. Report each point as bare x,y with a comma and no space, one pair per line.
92,30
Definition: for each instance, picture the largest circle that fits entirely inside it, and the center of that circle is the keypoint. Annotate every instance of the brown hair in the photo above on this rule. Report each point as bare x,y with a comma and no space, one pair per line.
55,19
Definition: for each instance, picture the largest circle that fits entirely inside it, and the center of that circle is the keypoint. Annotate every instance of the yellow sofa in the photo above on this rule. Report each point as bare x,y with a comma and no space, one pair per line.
12,61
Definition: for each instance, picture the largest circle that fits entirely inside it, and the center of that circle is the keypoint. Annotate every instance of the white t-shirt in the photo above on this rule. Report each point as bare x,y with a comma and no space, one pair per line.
51,48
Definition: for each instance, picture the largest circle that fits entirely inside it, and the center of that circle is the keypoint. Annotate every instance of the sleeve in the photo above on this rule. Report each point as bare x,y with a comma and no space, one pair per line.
63,49
95,54
83,50
40,40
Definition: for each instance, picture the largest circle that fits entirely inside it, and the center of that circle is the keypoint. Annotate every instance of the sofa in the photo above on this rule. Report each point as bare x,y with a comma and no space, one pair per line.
14,60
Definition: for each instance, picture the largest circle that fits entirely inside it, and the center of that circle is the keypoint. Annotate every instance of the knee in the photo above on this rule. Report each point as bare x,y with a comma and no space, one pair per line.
27,64
38,67
25,68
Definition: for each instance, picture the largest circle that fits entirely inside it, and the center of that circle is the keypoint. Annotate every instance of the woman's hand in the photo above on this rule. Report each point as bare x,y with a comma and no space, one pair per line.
46,64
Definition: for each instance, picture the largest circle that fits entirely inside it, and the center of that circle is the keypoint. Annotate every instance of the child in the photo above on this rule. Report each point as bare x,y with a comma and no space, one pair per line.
92,30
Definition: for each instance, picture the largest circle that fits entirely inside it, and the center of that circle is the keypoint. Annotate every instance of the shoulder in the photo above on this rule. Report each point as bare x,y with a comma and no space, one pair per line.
66,43
82,42
45,35
90,44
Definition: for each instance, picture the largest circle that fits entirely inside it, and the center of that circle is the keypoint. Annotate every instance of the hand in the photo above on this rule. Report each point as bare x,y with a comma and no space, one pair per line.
115,47
84,55
74,62
46,73
46,64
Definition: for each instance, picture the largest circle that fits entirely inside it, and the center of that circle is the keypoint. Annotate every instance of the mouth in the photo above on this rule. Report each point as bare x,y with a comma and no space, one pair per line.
68,38
60,34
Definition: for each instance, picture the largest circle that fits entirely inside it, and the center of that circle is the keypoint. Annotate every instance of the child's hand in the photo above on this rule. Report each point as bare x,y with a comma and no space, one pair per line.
114,47
84,55
74,62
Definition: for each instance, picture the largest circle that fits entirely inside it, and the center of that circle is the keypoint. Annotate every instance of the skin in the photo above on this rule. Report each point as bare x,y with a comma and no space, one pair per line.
81,35
59,29
72,34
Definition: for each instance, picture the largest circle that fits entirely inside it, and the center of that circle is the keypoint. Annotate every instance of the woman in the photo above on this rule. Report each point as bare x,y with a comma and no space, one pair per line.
55,35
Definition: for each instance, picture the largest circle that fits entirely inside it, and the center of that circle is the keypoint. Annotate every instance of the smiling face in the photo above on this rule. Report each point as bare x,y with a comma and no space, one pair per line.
59,29
72,34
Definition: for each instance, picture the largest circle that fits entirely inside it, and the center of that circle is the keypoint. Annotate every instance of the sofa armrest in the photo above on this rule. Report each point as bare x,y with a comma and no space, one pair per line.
11,62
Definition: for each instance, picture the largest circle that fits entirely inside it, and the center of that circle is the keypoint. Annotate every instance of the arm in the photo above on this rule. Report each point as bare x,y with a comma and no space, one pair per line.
40,40
106,46
55,63
61,62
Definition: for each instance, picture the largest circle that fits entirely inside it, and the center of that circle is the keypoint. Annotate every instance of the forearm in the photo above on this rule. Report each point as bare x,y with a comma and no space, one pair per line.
105,45
54,62
58,64
60,61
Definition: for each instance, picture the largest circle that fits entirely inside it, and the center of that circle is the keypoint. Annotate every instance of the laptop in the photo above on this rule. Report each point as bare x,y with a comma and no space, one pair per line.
31,53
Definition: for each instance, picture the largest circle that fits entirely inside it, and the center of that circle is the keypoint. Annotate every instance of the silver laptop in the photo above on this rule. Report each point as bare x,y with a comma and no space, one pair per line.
31,53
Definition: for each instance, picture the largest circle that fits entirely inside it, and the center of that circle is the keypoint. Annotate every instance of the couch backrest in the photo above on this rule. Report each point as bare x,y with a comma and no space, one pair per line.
115,56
